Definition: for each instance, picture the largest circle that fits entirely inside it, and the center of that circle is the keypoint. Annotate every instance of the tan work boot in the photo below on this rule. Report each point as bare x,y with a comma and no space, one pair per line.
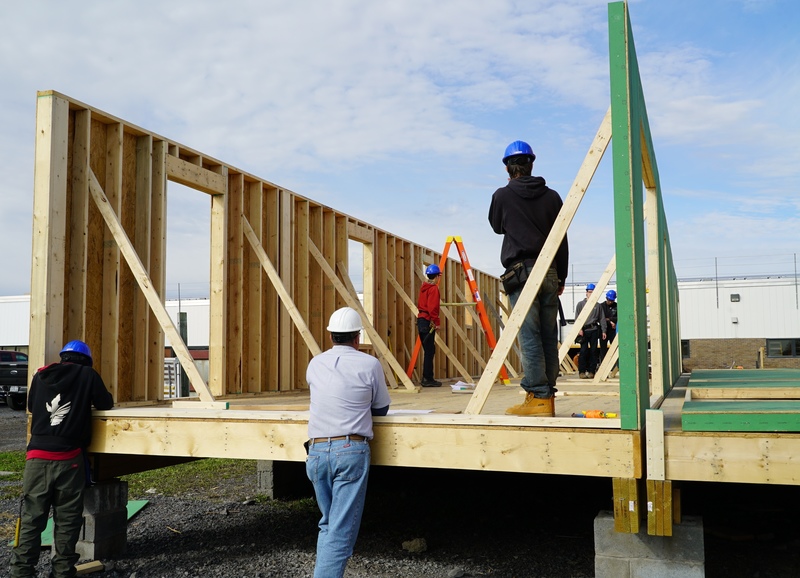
536,406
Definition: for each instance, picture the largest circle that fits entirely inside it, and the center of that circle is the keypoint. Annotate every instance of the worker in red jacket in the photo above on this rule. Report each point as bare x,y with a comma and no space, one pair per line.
428,322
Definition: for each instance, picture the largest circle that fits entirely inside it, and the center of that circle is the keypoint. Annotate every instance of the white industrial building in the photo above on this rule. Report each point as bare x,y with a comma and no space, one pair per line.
735,317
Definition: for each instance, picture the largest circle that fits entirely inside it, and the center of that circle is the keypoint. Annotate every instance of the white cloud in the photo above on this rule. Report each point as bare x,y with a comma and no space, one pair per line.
342,100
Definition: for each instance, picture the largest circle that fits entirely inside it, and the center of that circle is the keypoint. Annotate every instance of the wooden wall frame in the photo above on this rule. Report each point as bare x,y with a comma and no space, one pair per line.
278,265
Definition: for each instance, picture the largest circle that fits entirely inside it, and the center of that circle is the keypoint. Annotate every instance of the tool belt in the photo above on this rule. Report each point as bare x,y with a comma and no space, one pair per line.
515,276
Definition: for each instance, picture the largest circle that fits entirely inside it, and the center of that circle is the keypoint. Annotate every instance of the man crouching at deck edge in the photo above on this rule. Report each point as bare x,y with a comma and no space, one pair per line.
347,388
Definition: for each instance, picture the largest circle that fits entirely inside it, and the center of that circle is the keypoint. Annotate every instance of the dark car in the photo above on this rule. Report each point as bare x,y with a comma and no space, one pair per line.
13,378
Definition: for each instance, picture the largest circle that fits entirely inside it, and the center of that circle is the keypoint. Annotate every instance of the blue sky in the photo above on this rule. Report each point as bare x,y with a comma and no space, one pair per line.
398,113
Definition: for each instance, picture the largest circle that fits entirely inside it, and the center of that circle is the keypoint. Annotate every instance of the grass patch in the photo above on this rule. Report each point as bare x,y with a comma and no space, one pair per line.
211,477
11,483
12,462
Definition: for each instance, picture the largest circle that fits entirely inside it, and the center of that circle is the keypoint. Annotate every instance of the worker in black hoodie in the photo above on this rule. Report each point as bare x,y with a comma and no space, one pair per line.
60,400
523,212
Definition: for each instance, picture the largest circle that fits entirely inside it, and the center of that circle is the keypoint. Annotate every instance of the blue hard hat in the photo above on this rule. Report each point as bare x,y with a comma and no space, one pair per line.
432,270
518,147
611,295
77,346
590,287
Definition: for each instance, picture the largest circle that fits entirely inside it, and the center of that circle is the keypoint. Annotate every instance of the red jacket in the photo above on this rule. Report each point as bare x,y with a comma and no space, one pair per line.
428,303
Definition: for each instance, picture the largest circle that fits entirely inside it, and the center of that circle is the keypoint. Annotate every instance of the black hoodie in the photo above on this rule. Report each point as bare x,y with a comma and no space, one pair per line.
60,400
524,211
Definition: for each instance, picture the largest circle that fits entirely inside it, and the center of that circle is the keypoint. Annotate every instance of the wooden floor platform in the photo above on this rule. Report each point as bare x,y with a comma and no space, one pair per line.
424,429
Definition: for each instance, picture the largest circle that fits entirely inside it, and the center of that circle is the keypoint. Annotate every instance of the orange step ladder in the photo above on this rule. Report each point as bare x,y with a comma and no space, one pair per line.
476,296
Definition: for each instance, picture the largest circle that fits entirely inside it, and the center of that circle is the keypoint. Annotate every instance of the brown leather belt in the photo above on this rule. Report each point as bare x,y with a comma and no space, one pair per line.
354,437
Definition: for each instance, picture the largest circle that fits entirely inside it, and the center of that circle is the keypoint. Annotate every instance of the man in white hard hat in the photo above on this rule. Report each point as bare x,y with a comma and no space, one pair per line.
347,388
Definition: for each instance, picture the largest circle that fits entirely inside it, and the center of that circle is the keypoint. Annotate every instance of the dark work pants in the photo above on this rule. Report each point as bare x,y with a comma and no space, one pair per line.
428,340
46,484
588,358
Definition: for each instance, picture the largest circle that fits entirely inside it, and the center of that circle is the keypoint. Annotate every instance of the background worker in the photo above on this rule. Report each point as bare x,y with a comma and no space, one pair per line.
347,388
608,323
590,336
428,322
60,400
524,212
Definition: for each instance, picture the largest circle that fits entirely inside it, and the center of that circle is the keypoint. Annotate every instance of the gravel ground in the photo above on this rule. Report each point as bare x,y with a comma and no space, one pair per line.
472,524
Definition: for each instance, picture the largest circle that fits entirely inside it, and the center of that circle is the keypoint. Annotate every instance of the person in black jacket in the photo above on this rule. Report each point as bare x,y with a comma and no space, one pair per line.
590,336
608,323
60,401
523,212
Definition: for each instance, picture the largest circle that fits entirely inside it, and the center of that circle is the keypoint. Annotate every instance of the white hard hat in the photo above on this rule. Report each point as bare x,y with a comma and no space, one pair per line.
345,320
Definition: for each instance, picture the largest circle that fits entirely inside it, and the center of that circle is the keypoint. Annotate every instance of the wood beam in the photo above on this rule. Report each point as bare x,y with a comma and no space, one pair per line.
111,263
360,232
49,230
196,177
627,505
659,507
218,283
414,441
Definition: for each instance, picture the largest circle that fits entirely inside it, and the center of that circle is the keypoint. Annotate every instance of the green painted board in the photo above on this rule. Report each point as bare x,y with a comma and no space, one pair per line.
133,507
742,406
742,384
735,375
741,416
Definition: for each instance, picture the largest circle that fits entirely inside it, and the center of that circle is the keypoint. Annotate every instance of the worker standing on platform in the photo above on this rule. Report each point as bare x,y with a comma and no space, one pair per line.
608,323
590,336
524,211
347,388
56,470
428,322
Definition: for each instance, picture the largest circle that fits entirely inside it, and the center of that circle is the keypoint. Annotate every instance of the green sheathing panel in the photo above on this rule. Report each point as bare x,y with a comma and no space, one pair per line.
731,376
738,384
628,217
674,322
741,416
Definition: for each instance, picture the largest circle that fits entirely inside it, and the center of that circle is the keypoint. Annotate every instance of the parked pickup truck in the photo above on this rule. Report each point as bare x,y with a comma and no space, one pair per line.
13,378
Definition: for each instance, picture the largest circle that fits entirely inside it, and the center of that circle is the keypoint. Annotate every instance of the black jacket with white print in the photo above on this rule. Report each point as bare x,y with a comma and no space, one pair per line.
60,400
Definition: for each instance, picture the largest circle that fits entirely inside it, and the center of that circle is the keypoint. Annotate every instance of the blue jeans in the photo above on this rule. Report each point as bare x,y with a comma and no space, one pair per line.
339,471
538,338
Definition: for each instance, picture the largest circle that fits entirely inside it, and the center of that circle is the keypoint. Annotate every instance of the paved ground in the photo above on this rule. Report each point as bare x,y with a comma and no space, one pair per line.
13,426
